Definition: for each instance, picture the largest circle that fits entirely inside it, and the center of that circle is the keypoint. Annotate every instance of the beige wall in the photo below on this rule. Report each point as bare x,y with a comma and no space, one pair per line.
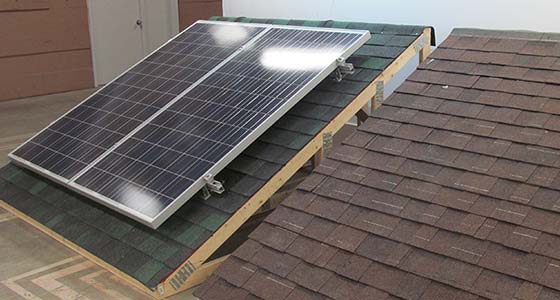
45,44
193,10
44,48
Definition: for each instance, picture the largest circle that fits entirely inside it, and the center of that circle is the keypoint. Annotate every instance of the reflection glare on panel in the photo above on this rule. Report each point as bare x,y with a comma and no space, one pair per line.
141,200
297,59
229,34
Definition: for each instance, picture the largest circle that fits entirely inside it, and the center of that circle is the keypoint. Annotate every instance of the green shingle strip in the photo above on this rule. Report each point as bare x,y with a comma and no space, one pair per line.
254,167
314,23
150,244
289,139
363,75
248,186
38,187
148,270
403,29
314,111
114,225
263,21
371,27
329,98
247,165
280,22
117,228
270,152
22,179
137,235
93,241
43,213
192,236
178,257
164,251
401,40
214,221
337,24
203,215
375,63
16,198
156,279
300,125
7,171
52,222
132,262
115,250
243,20
345,86
380,51
296,22
228,202
71,228
379,39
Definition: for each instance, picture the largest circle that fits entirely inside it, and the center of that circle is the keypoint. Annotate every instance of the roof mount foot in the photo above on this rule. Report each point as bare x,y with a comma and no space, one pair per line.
343,69
212,185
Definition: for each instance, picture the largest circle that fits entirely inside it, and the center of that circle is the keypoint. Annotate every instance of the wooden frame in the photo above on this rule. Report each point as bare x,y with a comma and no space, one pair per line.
195,269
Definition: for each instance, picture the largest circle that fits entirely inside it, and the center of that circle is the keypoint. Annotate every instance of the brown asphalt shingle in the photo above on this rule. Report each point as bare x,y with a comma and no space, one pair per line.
451,190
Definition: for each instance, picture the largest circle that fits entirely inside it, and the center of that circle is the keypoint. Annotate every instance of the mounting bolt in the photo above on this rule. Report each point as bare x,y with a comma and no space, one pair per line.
213,185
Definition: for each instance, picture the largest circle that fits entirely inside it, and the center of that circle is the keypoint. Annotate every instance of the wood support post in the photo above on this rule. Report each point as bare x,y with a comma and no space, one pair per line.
318,157
424,52
362,115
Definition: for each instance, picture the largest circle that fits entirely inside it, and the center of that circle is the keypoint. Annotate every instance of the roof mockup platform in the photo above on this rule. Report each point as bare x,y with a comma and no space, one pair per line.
175,256
449,191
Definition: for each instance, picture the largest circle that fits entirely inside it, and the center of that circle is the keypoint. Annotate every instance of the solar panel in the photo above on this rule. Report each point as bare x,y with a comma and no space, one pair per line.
163,162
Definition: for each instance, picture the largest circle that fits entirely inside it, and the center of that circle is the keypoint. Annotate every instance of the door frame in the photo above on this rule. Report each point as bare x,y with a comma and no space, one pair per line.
173,23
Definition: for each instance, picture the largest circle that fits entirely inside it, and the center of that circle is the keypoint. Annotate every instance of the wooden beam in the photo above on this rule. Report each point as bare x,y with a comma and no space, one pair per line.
195,270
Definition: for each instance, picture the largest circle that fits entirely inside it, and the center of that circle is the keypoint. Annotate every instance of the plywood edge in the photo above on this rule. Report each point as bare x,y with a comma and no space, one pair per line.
127,278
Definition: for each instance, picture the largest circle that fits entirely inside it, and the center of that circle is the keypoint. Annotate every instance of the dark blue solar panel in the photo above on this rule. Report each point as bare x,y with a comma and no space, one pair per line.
164,160
84,134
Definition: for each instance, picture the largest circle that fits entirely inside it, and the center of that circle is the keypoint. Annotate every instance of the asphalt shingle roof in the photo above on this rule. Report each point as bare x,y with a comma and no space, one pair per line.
450,190
150,255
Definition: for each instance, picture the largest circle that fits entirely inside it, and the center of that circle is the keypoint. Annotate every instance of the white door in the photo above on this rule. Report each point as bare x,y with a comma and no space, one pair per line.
124,31
160,21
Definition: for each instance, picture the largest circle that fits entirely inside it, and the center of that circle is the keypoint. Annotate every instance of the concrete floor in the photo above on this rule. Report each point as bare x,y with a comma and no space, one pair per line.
33,266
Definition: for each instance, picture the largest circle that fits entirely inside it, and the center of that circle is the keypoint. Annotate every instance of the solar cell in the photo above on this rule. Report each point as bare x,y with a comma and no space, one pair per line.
155,166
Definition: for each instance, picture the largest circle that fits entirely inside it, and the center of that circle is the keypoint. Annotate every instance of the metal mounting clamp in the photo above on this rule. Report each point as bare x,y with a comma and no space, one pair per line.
343,69
212,185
